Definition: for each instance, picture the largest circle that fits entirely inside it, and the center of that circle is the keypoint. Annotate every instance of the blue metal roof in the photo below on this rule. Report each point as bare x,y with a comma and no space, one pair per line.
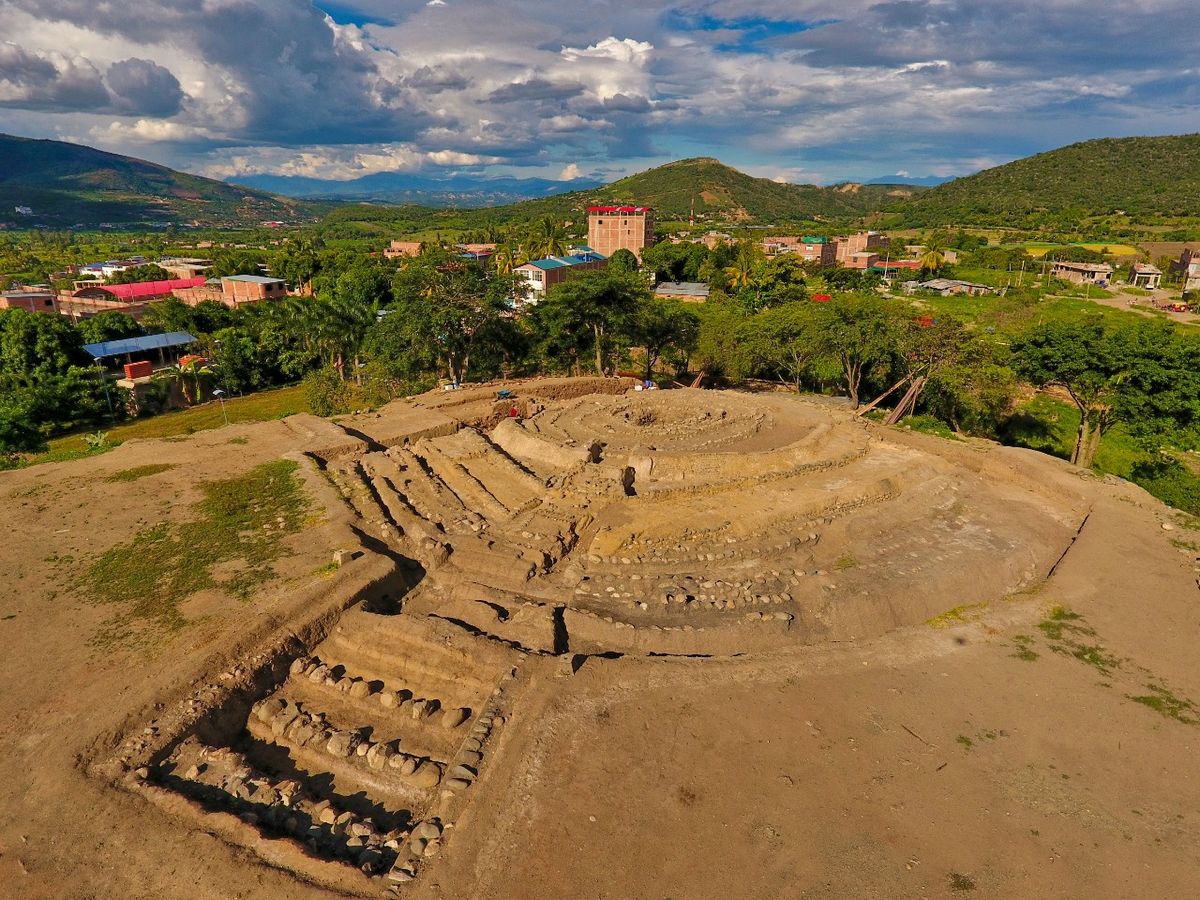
105,349
558,262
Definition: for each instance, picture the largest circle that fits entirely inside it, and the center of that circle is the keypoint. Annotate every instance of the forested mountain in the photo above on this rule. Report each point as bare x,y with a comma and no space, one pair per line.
1142,177
65,184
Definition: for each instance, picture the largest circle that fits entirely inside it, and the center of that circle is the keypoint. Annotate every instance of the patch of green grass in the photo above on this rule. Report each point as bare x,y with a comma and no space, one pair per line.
1165,703
1024,647
1096,657
260,407
240,522
1060,620
968,612
238,440
325,571
965,741
845,562
930,425
139,472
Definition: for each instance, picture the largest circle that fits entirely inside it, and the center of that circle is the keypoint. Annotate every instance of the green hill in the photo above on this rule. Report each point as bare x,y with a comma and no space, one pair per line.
721,194
1144,177
65,184
725,193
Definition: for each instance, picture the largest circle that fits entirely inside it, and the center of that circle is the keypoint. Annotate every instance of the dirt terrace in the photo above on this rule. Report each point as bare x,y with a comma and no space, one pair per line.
624,644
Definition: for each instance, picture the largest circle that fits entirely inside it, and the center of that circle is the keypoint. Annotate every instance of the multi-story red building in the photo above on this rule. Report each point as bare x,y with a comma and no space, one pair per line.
613,228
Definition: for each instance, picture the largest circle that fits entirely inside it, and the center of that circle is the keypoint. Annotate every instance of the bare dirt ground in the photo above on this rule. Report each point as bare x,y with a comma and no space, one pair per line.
690,644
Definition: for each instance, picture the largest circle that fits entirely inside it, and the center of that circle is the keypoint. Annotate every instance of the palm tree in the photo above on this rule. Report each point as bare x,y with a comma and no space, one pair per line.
504,259
193,369
741,272
933,256
548,238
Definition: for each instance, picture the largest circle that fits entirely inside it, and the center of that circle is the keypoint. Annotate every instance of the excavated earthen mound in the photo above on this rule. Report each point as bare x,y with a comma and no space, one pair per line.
597,520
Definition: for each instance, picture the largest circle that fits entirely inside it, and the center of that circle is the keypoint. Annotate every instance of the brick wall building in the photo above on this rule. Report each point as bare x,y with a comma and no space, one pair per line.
239,289
807,247
398,249
863,242
613,228
30,301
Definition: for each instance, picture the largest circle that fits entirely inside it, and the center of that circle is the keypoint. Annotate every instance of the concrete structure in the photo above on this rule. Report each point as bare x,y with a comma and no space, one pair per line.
240,289
714,239
864,260
808,247
210,290
1188,267
30,301
1083,273
613,228
950,286
399,249
1145,275
185,267
542,274
687,291
864,241
79,308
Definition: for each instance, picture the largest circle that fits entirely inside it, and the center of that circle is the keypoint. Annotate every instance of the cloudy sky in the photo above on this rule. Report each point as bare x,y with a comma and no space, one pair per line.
792,89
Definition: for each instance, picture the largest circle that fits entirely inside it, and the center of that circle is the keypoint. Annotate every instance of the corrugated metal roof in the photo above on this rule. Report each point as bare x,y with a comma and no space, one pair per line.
253,279
120,347
558,262
682,289
145,288
618,209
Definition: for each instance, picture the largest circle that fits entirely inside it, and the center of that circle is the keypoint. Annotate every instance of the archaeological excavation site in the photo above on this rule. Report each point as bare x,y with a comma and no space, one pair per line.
564,638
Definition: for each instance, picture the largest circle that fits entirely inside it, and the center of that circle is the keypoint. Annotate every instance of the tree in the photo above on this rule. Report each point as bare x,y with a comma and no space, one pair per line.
786,341
861,331
109,326
547,238
924,347
504,260
933,255
299,264
137,274
601,303
742,271
1082,358
438,322
191,374
623,261
661,325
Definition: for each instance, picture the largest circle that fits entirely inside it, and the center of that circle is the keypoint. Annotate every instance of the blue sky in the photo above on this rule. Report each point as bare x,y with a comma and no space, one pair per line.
796,90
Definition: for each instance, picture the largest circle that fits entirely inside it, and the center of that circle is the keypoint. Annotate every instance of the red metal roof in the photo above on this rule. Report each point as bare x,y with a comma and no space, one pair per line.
148,288
618,209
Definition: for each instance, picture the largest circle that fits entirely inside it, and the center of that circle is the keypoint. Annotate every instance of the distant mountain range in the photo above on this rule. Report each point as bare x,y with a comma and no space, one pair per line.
59,184
922,181
399,187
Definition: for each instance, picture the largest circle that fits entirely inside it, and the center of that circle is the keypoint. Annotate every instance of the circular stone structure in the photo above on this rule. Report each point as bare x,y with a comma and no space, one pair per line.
714,522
